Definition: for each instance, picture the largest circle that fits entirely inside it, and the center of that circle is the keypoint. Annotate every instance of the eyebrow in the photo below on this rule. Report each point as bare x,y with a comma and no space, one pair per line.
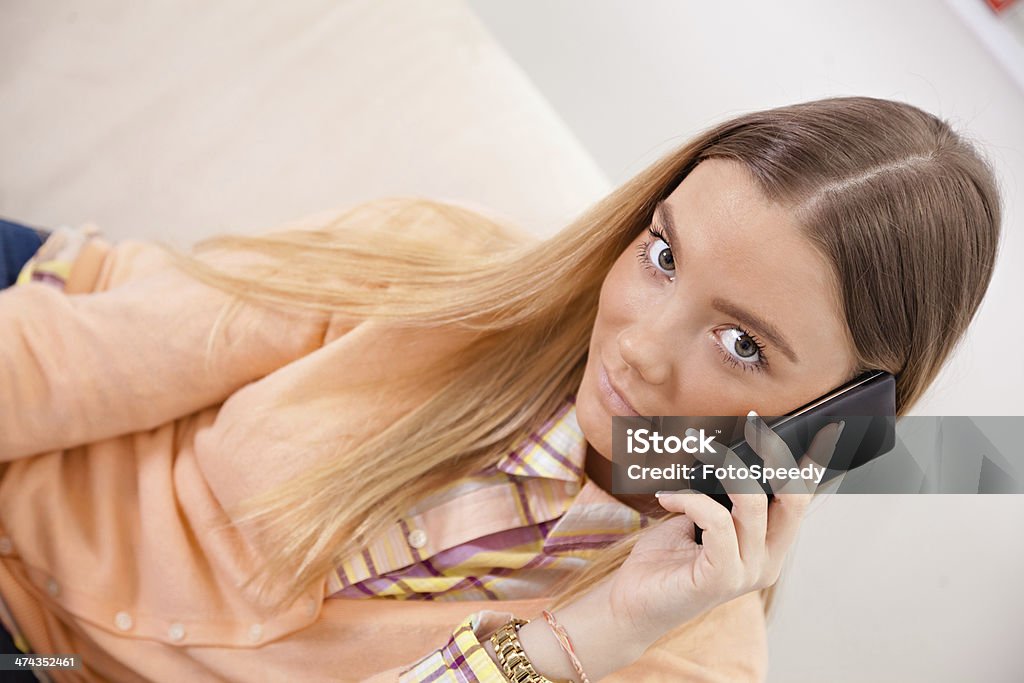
663,219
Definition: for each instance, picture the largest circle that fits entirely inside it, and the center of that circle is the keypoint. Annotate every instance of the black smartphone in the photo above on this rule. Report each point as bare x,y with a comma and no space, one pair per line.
868,406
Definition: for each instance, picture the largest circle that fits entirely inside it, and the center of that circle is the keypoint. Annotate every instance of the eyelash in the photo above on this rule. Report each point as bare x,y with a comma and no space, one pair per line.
643,247
645,261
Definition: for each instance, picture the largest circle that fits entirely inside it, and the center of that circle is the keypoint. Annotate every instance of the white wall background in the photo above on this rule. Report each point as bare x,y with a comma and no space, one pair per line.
177,119
880,588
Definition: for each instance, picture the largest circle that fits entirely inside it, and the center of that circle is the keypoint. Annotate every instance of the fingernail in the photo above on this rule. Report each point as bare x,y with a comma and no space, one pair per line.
658,494
752,416
842,423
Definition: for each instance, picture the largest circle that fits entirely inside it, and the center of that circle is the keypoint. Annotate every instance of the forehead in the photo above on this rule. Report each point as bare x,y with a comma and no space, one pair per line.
735,244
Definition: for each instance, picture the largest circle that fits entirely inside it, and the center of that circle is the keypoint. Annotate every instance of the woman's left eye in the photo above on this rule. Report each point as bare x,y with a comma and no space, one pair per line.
742,349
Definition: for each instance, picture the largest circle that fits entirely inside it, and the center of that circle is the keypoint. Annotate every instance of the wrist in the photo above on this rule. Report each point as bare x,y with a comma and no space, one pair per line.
601,633
602,643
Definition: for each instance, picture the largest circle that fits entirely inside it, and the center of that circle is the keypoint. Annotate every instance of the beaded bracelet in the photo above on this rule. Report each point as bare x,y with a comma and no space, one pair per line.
563,640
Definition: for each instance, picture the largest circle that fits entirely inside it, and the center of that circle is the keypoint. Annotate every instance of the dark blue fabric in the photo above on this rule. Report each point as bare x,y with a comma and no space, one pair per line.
8,647
18,243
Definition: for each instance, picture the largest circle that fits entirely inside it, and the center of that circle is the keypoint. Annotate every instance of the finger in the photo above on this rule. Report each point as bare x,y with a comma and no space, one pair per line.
784,517
822,447
824,444
721,456
750,517
787,510
768,445
720,543
749,502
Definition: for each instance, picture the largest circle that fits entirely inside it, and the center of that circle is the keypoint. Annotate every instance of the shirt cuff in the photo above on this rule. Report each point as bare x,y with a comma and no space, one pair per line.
53,262
463,657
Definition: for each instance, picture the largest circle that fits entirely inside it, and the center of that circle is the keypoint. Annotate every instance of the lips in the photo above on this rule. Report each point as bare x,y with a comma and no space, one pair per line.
613,397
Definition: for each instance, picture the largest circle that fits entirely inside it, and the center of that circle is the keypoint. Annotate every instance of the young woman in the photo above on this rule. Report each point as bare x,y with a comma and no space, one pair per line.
360,447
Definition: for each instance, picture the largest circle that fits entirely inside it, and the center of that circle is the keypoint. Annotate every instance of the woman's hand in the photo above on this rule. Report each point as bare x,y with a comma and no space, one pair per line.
668,578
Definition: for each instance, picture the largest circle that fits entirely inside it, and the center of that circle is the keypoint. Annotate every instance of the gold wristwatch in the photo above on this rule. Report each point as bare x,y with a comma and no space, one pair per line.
513,660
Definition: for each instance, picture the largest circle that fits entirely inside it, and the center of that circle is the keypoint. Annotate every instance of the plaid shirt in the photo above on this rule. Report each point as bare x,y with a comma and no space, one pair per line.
540,519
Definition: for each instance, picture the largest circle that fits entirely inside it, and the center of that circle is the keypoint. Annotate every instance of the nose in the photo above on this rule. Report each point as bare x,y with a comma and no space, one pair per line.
646,345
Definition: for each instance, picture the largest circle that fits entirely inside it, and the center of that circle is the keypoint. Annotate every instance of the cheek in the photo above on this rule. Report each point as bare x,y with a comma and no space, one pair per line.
621,291
614,313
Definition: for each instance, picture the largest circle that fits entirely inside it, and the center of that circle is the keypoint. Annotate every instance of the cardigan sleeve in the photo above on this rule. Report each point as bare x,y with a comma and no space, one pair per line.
120,346
123,348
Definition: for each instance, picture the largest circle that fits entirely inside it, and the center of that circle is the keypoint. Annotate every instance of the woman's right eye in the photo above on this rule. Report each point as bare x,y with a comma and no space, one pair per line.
656,255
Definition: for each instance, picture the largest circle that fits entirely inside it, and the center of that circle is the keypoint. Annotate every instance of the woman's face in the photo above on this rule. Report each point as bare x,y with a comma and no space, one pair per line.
732,311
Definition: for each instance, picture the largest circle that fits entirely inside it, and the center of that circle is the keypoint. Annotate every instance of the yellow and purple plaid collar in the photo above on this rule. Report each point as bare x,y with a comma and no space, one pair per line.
556,450
527,510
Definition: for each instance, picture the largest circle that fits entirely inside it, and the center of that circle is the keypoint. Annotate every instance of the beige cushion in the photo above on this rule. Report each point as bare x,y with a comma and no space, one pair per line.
175,120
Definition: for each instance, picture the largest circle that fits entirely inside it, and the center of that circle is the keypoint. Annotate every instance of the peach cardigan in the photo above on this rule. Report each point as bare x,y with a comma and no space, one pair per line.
119,450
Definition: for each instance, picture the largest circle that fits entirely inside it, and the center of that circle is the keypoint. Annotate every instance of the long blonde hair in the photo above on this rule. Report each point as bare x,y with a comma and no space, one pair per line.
906,211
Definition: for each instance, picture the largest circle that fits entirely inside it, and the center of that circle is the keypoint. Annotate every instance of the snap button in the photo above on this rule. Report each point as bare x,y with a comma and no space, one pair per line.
417,538
123,621
255,632
176,632
52,588
6,546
